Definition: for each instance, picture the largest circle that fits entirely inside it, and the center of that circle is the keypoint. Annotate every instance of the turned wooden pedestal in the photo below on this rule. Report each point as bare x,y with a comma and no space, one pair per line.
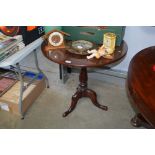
83,91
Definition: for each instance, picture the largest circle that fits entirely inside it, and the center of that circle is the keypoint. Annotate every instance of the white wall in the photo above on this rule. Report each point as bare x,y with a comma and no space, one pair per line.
137,38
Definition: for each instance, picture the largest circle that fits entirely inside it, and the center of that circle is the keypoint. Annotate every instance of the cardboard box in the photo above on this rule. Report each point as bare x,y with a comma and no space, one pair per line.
11,97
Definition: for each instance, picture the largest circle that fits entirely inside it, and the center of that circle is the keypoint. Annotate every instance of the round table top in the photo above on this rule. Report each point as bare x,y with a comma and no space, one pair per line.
64,57
141,83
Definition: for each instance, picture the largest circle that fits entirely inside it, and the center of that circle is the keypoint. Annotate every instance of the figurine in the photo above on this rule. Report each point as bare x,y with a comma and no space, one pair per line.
101,52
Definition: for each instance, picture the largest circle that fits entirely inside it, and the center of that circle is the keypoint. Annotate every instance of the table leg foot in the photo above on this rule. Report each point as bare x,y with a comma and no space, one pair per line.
139,121
83,91
92,95
74,101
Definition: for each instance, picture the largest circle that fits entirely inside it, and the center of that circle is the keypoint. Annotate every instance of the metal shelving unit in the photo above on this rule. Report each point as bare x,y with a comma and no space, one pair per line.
14,61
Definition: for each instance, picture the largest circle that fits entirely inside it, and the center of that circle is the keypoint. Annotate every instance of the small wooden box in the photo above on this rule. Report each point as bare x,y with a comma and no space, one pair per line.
11,97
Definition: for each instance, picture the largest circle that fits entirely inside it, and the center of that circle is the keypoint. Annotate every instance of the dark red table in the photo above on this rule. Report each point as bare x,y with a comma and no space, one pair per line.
73,60
141,87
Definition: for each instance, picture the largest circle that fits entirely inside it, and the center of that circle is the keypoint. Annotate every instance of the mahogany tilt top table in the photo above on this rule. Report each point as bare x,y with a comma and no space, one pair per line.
64,57
141,87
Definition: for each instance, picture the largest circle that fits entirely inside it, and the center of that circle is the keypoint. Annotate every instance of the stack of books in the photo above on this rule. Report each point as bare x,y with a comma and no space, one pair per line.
6,84
10,45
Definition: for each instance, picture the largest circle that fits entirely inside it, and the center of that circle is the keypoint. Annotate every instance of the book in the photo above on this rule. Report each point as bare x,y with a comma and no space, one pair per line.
7,42
10,45
6,84
4,55
4,37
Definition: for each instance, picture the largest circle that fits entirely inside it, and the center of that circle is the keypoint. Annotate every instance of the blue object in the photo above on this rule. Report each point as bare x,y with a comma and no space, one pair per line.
32,75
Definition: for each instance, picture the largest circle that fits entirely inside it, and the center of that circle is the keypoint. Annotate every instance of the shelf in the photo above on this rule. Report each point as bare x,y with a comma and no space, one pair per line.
20,103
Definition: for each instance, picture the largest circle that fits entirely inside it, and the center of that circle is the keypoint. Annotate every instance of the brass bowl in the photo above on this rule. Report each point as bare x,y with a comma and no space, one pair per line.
80,47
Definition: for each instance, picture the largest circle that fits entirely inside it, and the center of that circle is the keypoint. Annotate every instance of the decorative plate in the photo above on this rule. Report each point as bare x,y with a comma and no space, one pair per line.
80,47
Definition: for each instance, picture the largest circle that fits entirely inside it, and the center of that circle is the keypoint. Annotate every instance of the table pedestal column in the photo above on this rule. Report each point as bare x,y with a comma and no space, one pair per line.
83,91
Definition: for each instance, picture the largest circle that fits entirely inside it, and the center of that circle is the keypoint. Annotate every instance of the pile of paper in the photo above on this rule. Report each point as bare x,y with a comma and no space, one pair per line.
10,45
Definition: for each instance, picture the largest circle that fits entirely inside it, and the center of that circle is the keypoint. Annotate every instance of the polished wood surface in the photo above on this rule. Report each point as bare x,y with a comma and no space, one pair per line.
62,56
141,84
73,60
139,121
83,91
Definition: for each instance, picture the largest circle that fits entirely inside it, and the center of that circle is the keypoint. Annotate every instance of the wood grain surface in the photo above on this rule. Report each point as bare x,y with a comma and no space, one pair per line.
141,83
62,56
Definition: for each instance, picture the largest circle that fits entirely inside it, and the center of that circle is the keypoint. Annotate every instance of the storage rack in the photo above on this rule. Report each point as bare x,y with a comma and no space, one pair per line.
14,62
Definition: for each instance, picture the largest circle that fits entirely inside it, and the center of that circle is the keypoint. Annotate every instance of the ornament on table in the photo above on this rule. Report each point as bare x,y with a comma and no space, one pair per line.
106,50
56,39
101,52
